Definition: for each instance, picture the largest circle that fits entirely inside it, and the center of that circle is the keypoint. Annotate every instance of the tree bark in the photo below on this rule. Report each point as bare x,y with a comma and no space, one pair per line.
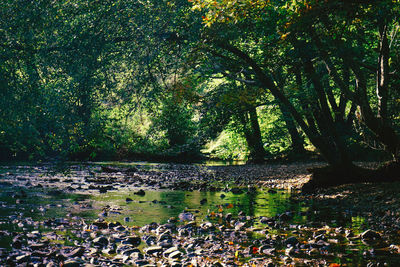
297,141
253,137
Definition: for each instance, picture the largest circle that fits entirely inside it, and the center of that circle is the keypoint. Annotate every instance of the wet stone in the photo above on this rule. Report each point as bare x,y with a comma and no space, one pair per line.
165,244
130,251
108,250
132,240
370,234
23,258
101,224
141,192
169,251
289,251
141,262
175,255
150,240
38,246
16,244
100,241
77,252
292,241
236,191
113,224
153,250
120,228
120,249
268,251
71,263
166,236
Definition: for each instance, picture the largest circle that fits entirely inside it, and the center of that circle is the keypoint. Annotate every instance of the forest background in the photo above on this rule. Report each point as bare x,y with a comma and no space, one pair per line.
184,80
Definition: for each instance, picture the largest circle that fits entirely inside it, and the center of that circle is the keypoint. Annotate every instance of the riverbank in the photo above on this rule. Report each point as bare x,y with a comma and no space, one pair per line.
230,216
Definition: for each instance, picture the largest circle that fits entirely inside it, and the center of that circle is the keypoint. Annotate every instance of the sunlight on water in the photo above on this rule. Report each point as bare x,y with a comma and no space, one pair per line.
159,206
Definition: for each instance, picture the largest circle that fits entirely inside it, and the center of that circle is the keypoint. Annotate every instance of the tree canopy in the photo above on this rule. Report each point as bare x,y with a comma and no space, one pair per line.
242,79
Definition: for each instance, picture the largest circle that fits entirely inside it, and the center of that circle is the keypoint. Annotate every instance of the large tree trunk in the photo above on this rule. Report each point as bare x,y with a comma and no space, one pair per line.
297,146
253,137
377,123
324,141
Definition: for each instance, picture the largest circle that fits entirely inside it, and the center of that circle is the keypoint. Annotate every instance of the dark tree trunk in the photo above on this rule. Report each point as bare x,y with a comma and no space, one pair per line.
378,124
297,141
252,134
323,134
258,147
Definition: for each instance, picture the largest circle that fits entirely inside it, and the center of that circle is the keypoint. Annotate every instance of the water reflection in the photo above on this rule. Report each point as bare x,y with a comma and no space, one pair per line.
159,206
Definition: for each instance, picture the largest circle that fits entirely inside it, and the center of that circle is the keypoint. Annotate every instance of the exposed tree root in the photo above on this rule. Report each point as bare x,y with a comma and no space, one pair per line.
324,177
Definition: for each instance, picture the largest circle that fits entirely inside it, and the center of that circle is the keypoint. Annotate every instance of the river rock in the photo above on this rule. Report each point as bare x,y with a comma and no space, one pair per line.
140,192
113,225
137,256
78,252
16,244
289,251
239,226
370,234
120,228
108,250
38,246
71,263
292,241
236,191
152,250
130,251
101,224
268,251
169,251
23,258
121,248
150,240
132,240
165,236
100,241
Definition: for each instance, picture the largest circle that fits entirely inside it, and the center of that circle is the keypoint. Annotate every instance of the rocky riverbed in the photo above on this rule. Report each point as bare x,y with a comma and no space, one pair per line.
88,215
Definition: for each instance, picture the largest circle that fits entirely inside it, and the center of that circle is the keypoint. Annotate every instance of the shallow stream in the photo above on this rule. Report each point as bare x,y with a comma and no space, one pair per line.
32,195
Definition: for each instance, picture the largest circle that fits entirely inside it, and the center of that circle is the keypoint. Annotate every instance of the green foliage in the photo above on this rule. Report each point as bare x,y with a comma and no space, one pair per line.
119,79
275,135
174,122
228,146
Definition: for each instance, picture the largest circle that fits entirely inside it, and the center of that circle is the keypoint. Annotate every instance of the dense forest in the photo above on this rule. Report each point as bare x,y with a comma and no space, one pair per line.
245,79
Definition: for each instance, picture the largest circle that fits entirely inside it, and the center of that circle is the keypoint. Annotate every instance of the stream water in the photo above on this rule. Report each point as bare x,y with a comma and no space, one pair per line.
30,195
